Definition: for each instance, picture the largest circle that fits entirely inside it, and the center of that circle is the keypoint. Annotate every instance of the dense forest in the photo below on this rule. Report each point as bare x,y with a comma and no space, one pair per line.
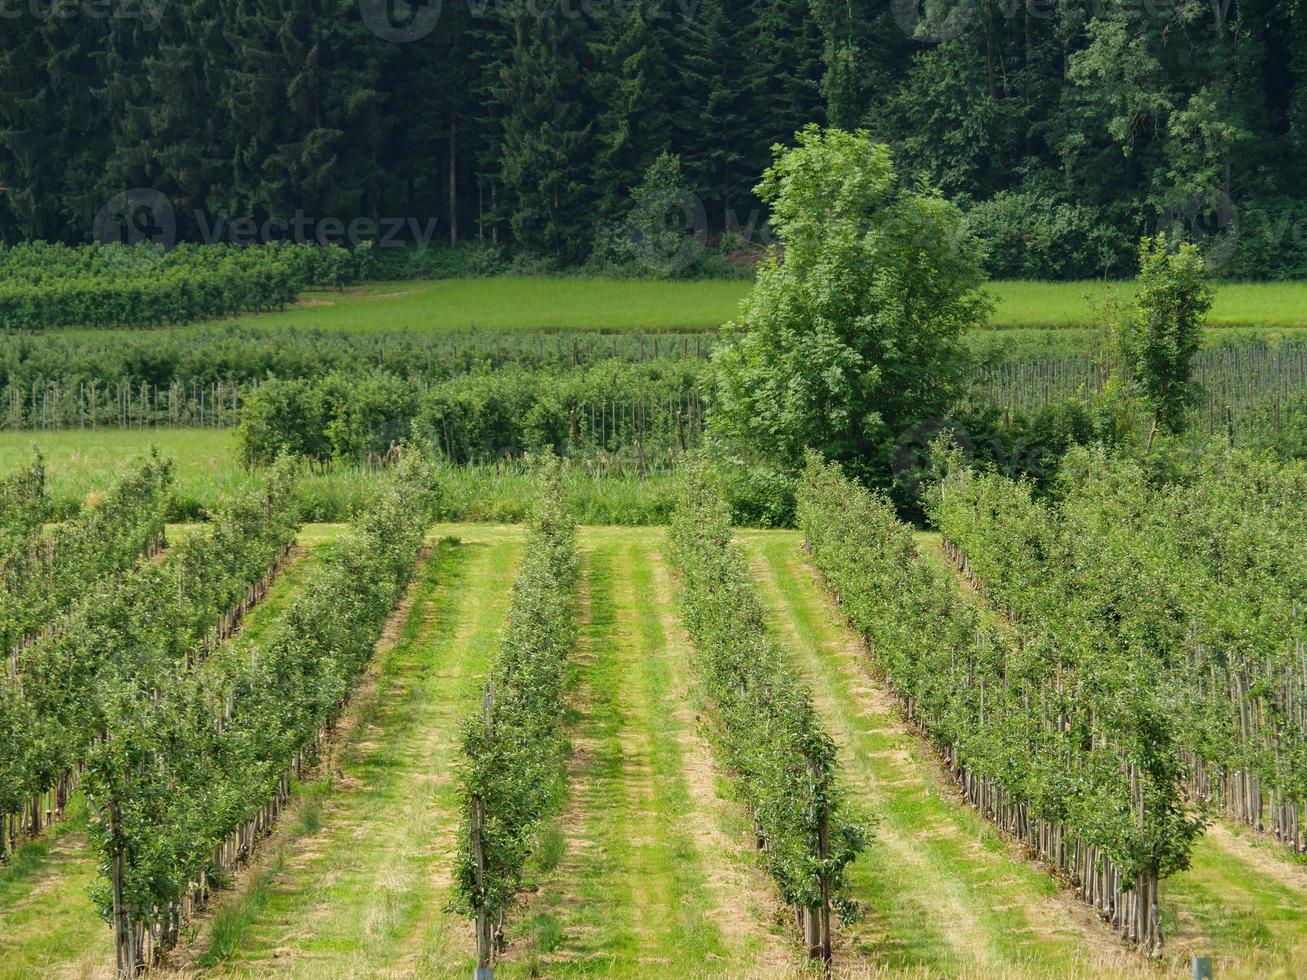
1064,128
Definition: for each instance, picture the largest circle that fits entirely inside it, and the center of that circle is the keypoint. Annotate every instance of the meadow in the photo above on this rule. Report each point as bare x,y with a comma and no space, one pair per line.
574,303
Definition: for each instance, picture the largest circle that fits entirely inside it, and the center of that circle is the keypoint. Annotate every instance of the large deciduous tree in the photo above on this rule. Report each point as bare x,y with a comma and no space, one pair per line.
853,332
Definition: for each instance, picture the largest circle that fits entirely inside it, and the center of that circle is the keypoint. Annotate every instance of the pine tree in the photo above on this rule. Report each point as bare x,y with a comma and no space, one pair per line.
546,140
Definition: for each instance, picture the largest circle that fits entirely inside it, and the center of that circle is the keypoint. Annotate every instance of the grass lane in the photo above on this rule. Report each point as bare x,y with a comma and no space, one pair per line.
655,875
48,926
943,892
358,881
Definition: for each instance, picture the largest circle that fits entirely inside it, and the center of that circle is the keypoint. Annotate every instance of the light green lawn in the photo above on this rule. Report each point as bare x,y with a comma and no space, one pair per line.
513,303
574,303
1056,304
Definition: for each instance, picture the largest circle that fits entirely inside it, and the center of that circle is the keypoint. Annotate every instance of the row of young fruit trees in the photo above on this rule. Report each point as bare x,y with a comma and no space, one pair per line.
1143,666
1135,665
184,738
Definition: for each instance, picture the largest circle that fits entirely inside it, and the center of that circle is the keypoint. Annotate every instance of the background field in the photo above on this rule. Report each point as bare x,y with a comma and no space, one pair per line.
559,303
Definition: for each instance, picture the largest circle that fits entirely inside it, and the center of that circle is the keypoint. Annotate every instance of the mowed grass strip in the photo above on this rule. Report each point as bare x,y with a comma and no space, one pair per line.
515,303
48,925
647,883
943,892
361,886
534,303
1242,901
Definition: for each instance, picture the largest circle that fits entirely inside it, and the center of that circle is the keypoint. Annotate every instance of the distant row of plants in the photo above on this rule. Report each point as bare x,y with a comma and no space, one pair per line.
651,412
45,286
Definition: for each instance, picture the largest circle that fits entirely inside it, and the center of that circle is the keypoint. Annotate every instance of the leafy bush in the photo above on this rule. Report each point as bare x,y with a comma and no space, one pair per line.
1030,235
340,417
1269,239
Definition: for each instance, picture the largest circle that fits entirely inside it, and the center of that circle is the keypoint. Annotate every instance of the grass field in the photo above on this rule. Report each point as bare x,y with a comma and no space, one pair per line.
573,303
651,866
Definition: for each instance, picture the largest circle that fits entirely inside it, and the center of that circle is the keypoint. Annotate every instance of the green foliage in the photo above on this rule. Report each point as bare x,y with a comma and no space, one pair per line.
1063,714
1033,236
24,503
50,286
340,417
148,624
43,574
641,416
769,731
656,237
1201,580
1159,336
856,335
512,779
190,756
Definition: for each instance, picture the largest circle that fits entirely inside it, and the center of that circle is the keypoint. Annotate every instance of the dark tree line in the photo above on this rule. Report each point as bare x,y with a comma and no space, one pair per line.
1066,127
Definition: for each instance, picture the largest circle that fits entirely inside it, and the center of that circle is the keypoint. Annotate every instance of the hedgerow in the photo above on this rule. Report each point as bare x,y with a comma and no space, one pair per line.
193,769
1058,730
512,778
768,729
45,286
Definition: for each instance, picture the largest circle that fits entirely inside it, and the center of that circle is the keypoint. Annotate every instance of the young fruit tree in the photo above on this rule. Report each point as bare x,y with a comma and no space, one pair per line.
1159,336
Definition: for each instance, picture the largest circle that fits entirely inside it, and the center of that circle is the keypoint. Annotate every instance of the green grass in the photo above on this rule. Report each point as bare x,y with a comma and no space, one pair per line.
632,891
84,461
513,303
1060,304
575,303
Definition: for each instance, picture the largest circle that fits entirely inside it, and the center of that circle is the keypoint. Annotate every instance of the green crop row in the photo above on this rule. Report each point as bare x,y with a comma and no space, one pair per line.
512,780
770,735
194,767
